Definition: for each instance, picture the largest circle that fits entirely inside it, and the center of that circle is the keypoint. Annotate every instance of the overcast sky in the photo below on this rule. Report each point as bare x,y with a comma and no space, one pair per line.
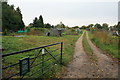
70,12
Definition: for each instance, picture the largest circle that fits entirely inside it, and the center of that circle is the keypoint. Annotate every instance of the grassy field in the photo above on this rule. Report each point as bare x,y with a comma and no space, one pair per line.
12,44
106,42
88,49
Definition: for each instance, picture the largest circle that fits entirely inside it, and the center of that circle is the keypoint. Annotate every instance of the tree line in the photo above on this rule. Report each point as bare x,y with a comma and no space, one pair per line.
97,26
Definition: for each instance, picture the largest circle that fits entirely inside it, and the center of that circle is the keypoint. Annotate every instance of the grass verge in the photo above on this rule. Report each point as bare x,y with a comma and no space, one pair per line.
88,49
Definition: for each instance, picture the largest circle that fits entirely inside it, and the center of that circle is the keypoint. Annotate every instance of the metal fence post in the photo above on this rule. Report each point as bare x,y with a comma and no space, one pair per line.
61,52
42,63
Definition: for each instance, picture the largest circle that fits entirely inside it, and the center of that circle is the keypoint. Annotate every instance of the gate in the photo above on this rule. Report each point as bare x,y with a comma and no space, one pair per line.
39,62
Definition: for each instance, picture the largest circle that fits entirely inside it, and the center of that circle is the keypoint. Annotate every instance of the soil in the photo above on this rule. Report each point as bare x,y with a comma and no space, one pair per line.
83,67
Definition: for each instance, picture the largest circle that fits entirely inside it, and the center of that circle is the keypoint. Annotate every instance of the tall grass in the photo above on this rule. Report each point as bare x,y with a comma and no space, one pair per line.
106,42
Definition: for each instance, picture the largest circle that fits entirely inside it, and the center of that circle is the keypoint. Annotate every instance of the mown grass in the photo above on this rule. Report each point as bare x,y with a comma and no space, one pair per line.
12,44
106,42
88,49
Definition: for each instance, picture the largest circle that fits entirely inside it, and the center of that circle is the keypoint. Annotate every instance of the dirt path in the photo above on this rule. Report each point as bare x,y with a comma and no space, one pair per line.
83,67
80,67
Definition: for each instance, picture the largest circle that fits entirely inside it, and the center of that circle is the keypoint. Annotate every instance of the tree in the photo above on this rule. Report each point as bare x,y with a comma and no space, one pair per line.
12,6
48,25
75,27
31,24
35,22
105,26
97,26
90,25
11,18
41,21
61,25
52,26
38,22
83,27
21,23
